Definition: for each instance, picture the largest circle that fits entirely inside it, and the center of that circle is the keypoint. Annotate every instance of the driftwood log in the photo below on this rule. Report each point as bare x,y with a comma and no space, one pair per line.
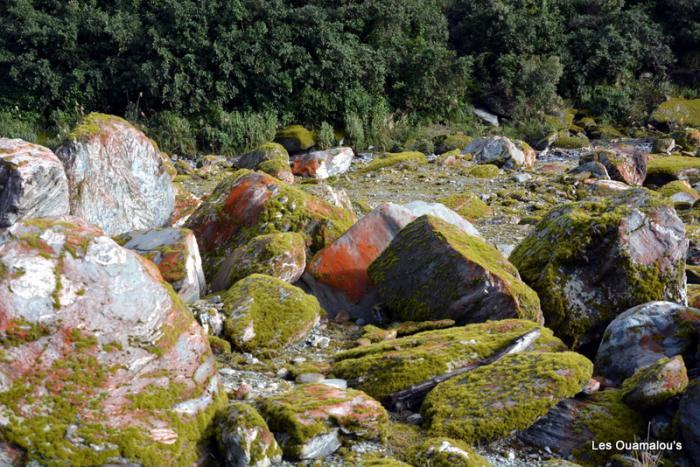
412,398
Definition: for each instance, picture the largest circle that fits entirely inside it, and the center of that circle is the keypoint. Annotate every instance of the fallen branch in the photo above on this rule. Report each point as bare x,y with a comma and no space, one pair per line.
412,398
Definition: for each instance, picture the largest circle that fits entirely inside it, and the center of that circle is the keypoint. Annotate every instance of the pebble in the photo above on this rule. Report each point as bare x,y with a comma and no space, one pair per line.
522,178
414,419
321,342
306,378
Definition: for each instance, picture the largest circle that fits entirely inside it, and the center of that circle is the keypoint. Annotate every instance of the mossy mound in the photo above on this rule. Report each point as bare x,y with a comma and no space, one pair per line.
386,367
264,312
271,158
468,205
571,142
688,139
244,438
488,171
92,124
678,112
606,132
295,138
655,384
510,394
390,159
677,186
446,452
664,169
451,142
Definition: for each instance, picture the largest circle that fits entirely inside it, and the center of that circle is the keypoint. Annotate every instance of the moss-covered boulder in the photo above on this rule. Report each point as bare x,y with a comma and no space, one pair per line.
323,164
281,255
622,164
688,139
447,452
664,145
644,334
391,159
689,421
590,260
263,312
386,367
576,428
487,171
664,169
101,359
271,158
451,142
245,439
432,270
655,384
493,400
311,420
499,151
467,205
680,193
249,204
295,139
678,112
571,142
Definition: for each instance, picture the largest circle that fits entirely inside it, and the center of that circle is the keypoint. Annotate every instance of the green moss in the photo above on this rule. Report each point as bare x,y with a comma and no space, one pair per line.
666,384
390,366
562,120
454,141
219,345
606,132
376,334
677,186
488,171
510,394
445,452
408,328
274,167
667,168
20,331
391,159
264,253
301,137
91,125
571,142
469,206
678,112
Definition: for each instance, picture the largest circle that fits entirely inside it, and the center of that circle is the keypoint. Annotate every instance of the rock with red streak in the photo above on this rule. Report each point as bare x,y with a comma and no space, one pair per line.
118,178
323,164
176,254
101,359
33,182
655,384
185,204
642,335
249,204
623,163
310,421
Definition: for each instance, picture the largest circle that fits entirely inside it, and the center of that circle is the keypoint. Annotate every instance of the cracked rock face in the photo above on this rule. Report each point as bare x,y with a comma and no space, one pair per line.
32,182
96,342
119,180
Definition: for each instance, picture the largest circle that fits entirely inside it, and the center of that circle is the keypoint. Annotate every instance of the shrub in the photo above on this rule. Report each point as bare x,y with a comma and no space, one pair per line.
173,133
325,137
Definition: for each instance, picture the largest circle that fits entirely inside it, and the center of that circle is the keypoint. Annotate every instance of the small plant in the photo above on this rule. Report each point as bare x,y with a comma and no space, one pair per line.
325,137
173,133
355,132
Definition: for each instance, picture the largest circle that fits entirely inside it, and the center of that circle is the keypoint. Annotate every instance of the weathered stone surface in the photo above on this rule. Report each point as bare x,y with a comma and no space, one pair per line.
500,151
689,421
570,428
487,117
590,260
102,360
118,178
590,169
270,158
642,335
442,212
244,438
624,164
32,182
264,312
390,366
309,421
323,164
432,270
510,394
249,204
655,384
176,254
295,139
446,452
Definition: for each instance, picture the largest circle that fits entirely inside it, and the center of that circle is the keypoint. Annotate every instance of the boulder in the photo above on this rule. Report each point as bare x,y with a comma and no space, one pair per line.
295,139
390,366
590,260
664,169
118,178
624,164
655,384
442,212
176,254
678,112
281,255
32,182
446,452
664,145
680,193
689,422
244,438
323,164
399,159
271,158
510,394
249,204
642,335
433,270
102,360
264,312
590,169
309,421
487,117
468,205
500,151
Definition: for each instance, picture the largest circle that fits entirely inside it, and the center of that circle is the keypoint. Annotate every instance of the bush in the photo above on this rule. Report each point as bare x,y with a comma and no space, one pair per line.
173,133
325,137
16,124
231,133
355,132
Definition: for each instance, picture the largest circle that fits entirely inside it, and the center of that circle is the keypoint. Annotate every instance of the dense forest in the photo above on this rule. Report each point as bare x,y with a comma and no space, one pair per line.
221,75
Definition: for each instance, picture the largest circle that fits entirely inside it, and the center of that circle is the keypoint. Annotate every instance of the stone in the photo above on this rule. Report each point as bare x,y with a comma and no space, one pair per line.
655,384
680,193
689,422
590,169
565,141
442,212
487,117
642,335
306,378
664,145
323,164
432,270
176,254
336,383
590,260
295,139
498,150
446,452
245,439
118,178
281,255
678,112
249,204
32,182
93,337
664,169
624,164
271,158
263,312
387,367
309,421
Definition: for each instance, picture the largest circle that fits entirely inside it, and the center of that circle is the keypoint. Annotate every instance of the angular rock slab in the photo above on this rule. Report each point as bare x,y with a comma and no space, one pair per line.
500,151
323,164
432,270
590,260
245,439
32,182
309,421
270,158
623,163
102,360
119,180
644,334
176,254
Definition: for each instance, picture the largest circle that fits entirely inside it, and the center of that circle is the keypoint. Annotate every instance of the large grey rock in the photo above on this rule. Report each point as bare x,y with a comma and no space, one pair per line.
119,180
323,164
500,151
32,182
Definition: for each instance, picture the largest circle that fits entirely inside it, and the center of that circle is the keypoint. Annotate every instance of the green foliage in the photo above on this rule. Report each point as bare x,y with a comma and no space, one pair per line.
325,138
230,133
173,133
